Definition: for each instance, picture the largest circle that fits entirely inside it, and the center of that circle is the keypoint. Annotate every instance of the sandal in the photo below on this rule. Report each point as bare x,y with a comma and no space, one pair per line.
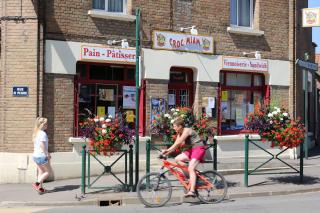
190,194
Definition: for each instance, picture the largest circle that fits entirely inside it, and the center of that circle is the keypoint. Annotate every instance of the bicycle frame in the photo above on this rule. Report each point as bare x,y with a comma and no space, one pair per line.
182,179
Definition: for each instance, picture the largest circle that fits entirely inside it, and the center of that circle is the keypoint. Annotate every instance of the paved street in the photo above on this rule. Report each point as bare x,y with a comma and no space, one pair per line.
288,203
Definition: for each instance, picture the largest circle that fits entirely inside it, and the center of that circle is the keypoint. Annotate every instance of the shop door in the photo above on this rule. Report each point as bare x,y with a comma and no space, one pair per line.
180,88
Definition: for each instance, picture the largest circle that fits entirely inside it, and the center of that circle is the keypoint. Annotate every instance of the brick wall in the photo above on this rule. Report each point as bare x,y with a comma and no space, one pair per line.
68,20
279,96
59,109
18,67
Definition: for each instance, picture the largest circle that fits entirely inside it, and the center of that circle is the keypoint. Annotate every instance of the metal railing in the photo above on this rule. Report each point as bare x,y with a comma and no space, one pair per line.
256,171
107,169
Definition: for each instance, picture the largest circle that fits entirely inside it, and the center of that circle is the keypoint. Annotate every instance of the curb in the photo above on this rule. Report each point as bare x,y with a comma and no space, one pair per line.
135,200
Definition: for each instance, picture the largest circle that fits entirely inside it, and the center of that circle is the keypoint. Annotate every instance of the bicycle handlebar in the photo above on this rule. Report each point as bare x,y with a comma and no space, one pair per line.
162,157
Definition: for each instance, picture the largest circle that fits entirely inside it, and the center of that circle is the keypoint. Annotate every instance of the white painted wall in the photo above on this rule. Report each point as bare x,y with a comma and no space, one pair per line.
62,56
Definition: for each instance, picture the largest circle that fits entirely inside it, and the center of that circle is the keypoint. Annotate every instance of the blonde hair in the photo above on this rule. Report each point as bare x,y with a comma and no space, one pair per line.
179,121
39,125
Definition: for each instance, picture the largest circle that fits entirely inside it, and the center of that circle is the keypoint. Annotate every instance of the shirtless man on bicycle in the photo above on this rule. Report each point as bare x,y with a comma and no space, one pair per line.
195,152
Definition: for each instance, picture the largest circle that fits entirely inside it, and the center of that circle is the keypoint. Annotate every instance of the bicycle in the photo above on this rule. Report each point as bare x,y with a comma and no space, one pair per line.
155,190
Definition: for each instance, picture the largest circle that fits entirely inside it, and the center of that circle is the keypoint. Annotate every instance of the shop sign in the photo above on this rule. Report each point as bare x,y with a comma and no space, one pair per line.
244,64
182,42
20,91
310,17
96,53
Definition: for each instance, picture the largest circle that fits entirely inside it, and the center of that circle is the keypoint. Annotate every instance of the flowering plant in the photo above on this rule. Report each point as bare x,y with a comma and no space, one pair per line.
106,134
163,124
276,126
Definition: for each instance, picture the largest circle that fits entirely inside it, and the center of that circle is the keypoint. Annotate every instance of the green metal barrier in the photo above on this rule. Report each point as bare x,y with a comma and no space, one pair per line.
107,169
256,171
150,146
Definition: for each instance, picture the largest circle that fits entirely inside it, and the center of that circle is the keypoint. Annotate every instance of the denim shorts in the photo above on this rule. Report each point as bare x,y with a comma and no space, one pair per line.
40,160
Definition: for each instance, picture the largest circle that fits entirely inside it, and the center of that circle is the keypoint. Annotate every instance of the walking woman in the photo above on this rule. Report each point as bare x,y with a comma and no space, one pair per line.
40,155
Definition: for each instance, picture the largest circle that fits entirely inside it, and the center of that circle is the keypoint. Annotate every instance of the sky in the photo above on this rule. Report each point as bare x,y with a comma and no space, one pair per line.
315,30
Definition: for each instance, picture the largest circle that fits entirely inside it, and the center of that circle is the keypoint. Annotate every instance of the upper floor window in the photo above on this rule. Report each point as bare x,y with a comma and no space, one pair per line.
113,6
241,12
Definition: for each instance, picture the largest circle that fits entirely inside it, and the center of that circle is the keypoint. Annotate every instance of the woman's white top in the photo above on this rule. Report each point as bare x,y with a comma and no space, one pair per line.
40,138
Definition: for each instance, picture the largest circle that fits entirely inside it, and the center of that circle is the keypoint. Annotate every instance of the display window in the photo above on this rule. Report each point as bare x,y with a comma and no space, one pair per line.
180,87
104,89
239,94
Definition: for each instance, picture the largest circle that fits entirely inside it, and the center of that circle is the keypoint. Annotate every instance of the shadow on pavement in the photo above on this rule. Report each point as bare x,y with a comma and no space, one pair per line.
63,188
307,180
233,184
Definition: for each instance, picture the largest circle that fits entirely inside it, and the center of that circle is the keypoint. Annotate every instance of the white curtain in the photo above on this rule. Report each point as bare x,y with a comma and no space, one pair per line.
244,12
115,5
98,4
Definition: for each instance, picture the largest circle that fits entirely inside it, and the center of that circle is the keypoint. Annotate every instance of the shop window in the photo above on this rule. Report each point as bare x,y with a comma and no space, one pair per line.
113,6
240,94
241,13
99,89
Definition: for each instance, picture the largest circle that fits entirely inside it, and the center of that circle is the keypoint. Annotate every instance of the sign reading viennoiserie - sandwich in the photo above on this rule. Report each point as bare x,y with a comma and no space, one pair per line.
311,17
182,42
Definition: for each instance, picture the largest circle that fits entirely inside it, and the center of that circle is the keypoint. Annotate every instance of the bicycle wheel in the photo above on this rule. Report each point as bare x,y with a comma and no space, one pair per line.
154,189
214,194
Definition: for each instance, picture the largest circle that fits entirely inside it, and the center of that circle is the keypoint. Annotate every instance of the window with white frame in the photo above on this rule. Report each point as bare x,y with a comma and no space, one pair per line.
112,6
241,13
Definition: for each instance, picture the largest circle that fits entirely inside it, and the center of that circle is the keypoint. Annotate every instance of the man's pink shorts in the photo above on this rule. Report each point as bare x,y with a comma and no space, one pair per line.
196,153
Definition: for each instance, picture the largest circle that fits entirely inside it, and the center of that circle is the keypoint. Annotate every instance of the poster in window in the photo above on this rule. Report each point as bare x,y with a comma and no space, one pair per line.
158,106
130,116
224,96
225,110
112,111
172,99
101,111
211,102
129,97
239,117
204,101
106,95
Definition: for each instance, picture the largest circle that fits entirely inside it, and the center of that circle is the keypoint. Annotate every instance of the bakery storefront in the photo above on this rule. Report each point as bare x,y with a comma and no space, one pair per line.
242,88
104,79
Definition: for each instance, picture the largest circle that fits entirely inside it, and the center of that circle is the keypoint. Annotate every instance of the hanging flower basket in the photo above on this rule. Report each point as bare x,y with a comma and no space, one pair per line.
107,135
276,126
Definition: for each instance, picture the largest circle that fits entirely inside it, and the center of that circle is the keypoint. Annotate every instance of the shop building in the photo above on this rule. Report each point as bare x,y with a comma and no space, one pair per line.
58,54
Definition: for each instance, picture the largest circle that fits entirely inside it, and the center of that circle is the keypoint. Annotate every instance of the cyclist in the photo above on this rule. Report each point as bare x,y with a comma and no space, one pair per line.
195,151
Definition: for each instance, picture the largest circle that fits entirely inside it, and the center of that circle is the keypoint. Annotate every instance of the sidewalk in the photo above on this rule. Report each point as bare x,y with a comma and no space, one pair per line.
66,192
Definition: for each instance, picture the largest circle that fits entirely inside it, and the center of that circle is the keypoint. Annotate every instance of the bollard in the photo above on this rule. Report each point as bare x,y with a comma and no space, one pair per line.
83,172
301,162
246,159
148,149
131,166
215,154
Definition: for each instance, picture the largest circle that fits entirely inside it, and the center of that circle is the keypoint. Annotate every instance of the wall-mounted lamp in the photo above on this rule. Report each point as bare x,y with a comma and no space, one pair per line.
257,54
124,43
193,30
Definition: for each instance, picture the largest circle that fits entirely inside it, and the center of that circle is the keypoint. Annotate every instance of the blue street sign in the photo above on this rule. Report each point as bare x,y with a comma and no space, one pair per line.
20,91
307,65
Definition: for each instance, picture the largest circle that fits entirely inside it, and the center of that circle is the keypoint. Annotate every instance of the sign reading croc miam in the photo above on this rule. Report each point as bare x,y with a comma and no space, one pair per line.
115,55
182,42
